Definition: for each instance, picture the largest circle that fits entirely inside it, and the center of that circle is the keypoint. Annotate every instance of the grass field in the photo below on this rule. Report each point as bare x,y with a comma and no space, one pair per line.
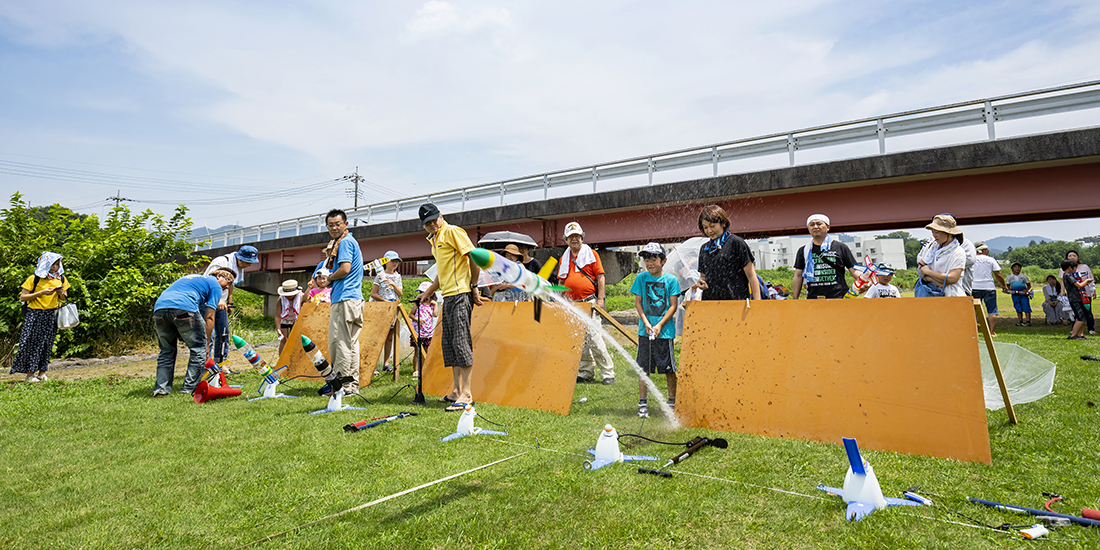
99,464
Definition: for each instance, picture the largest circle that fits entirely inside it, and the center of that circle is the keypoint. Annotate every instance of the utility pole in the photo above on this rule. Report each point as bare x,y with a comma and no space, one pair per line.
118,198
356,179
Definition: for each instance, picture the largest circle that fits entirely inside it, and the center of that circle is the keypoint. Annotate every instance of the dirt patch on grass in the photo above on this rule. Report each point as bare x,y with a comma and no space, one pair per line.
125,366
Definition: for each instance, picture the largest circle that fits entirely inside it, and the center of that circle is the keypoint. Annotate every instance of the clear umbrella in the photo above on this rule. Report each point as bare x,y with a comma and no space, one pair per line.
500,239
1028,376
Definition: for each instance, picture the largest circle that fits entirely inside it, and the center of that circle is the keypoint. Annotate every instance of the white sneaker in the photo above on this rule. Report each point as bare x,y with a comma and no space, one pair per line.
32,379
1092,332
42,377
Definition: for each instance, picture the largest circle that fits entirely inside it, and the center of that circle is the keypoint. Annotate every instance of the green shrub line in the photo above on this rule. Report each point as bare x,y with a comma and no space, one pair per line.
116,268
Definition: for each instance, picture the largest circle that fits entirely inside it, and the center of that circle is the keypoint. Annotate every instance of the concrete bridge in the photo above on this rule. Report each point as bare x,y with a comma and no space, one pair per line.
1037,177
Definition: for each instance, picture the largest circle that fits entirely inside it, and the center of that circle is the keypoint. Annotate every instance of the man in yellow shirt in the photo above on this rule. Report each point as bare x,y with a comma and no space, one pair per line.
456,277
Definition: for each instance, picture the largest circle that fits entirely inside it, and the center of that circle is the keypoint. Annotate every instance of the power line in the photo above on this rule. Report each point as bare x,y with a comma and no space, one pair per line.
356,179
118,198
252,198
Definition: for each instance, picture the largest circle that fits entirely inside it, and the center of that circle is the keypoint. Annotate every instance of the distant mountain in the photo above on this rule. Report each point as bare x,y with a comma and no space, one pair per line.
1001,244
203,231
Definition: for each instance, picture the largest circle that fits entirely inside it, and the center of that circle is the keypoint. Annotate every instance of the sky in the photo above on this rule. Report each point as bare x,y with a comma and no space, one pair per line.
252,112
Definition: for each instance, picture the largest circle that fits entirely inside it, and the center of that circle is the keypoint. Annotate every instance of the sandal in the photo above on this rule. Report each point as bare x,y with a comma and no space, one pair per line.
446,399
456,407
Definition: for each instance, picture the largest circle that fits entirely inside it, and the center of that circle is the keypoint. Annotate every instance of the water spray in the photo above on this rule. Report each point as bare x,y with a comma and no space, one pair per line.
591,323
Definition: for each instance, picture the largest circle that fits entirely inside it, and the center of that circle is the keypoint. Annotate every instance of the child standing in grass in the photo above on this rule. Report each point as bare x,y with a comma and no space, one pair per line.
290,304
1019,286
423,322
1076,292
387,288
655,298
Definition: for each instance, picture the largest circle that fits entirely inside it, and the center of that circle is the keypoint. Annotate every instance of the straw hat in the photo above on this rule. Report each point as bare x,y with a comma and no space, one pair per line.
944,223
289,288
512,249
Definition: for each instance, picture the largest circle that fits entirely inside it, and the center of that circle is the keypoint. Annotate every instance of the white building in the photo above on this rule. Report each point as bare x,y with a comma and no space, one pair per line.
780,251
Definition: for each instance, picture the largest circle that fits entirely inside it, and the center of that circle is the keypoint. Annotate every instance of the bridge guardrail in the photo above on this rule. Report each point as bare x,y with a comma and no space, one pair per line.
1048,101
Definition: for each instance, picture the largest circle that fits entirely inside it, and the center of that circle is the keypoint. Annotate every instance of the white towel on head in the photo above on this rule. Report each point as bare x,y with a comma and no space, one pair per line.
584,257
42,271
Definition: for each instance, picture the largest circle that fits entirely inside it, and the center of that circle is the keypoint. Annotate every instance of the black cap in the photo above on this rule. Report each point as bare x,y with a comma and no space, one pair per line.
428,212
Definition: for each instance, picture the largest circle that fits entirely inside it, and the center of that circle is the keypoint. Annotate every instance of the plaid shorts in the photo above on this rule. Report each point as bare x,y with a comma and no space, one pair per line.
457,345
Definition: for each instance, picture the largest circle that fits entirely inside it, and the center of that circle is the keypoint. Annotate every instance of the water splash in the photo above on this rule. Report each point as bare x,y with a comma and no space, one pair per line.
591,324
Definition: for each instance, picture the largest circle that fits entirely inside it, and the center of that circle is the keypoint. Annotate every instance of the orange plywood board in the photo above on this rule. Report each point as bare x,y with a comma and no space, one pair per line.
518,362
313,322
896,374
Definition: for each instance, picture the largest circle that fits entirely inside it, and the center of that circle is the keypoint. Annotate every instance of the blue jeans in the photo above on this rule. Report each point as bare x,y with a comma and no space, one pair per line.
174,325
221,335
990,299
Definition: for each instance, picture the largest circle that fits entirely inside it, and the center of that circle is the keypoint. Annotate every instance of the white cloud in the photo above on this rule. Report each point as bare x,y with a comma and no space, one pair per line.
437,17
536,86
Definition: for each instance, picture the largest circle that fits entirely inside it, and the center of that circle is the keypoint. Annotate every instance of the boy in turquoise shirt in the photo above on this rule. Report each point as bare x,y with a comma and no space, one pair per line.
655,298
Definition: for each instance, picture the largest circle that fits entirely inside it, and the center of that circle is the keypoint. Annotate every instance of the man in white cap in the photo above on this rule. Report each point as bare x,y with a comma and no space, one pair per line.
987,278
235,262
820,265
582,272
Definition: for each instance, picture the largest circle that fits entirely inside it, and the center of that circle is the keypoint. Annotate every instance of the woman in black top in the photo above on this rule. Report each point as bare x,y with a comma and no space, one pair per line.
726,270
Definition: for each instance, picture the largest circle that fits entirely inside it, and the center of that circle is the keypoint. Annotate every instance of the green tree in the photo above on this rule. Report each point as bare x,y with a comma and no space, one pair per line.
911,244
116,268
1048,255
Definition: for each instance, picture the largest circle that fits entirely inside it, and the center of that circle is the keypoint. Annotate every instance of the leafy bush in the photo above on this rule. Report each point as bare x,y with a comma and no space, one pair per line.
116,269
1049,255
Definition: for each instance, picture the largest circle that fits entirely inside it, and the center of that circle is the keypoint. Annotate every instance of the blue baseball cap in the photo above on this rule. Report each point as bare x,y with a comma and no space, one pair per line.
248,254
392,256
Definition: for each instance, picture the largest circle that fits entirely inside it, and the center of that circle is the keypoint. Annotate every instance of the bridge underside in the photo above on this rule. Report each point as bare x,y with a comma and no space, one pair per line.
1042,177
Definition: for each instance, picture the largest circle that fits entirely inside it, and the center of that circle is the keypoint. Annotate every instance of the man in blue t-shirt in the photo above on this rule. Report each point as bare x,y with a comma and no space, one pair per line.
345,319
655,298
185,312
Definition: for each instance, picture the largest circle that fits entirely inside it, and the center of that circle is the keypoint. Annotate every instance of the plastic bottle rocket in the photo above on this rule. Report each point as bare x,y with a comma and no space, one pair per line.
607,451
607,446
466,426
332,379
861,489
246,349
214,376
314,354
213,385
270,384
864,281
322,365
376,264
513,273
